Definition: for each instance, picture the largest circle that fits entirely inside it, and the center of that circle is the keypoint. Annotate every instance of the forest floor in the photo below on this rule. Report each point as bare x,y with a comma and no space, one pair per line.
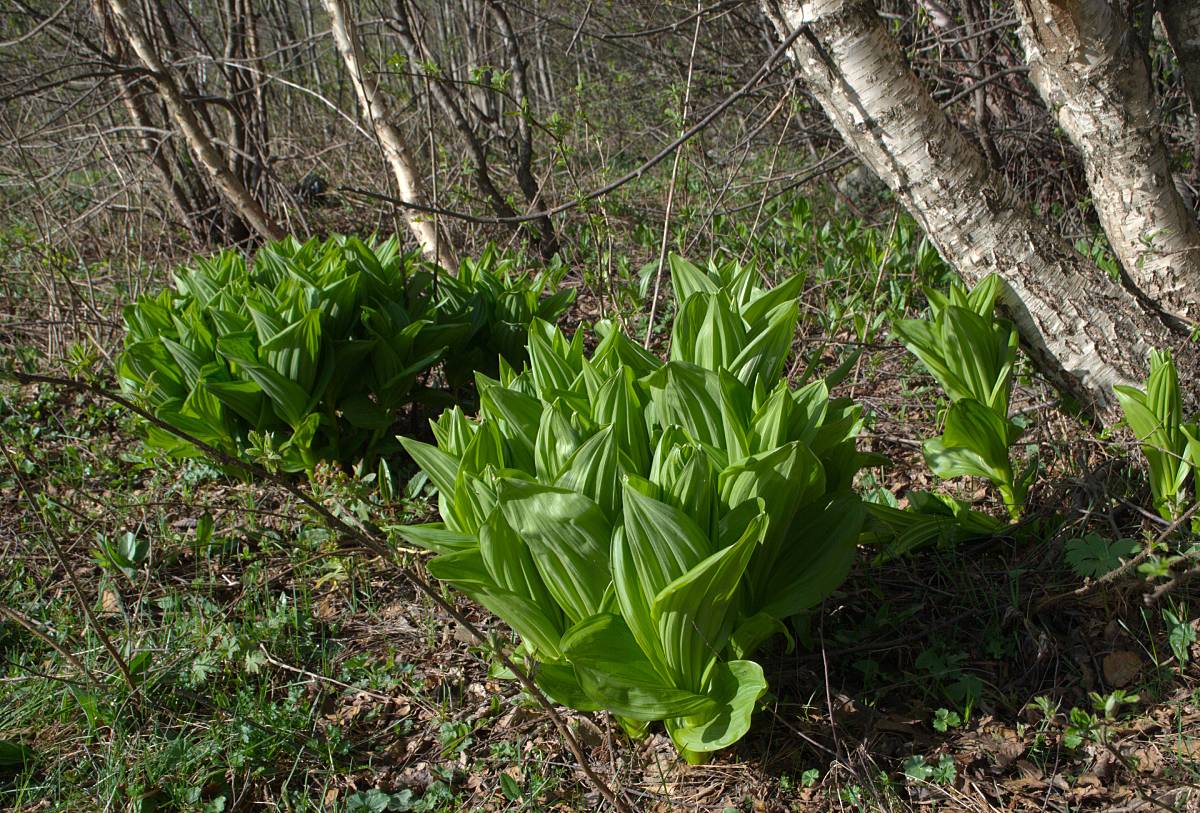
263,664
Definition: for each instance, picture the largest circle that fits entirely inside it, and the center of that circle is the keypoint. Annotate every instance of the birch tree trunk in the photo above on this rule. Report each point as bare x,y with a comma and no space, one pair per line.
404,167
198,141
1086,65
1084,331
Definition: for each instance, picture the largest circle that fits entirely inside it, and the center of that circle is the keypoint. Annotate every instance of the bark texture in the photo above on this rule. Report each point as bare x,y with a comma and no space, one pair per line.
1089,70
399,158
1084,331
185,117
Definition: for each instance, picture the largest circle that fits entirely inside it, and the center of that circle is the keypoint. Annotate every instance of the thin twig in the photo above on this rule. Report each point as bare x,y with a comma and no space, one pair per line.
666,230
287,667
76,587
1118,573
363,536
70,657
600,192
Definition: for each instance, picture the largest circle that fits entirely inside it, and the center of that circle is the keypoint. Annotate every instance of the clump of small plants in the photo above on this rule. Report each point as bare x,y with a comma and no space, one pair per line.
310,352
645,526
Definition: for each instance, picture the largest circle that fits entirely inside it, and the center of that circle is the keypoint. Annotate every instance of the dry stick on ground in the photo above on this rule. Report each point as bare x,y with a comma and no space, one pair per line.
1125,569
76,587
383,698
17,618
361,535
600,192
1156,595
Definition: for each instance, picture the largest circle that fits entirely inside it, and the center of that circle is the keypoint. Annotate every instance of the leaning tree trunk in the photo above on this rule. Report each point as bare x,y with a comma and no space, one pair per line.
198,141
374,108
1084,331
530,187
1091,74
139,116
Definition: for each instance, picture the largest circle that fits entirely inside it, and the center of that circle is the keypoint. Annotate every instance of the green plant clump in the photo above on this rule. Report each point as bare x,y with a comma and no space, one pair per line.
646,526
930,519
972,354
308,354
1171,447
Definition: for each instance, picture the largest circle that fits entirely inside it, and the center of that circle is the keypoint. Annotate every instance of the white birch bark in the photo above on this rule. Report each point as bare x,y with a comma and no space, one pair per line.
201,146
1087,68
1084,331
399,157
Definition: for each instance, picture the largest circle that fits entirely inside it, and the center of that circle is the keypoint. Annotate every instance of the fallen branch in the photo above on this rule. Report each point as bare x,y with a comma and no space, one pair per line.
363,536
1126,568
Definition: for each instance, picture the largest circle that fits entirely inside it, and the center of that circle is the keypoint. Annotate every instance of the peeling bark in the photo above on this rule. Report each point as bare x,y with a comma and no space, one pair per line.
1083,330
398,156
1085,64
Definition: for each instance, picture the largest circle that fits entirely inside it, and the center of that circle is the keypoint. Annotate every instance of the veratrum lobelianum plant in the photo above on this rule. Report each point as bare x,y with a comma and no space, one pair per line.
929,519
1171,446
645,526
972,354
308,354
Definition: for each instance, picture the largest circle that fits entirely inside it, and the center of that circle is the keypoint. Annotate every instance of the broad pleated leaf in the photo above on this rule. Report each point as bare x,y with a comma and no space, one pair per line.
617,405
785,479
595,471
289,399
509,563
765,353
665,543
556,442
971,425
441,467
466,571
694,614
569,538
721,337
736,687
634,599
814,563
751,633
687,279
435,536
612,669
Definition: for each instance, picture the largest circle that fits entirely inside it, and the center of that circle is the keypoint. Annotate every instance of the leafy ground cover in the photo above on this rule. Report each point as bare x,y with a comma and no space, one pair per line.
262,663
